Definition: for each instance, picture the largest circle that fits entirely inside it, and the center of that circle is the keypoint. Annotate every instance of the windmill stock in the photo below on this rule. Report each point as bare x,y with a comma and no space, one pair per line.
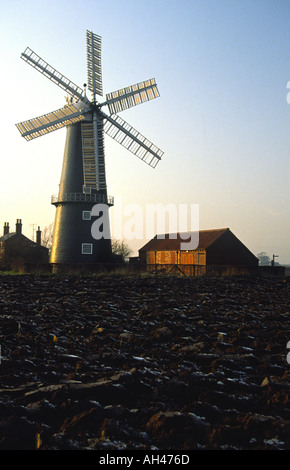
83,177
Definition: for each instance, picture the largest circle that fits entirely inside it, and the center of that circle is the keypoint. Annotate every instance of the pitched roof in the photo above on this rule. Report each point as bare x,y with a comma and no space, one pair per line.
9,235
23,238
172,241
5,237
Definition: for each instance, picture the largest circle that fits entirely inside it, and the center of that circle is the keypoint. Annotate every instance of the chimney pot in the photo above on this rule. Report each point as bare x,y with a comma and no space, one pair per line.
6,228
18,226
38,236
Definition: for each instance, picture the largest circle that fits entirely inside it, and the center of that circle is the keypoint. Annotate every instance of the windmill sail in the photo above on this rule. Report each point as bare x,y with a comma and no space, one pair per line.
93,156
94,65
131,96
132,140
43,67
50,122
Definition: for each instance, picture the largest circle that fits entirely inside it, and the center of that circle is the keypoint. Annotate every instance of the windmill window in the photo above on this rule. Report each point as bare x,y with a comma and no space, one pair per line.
86,215
87,248
87,190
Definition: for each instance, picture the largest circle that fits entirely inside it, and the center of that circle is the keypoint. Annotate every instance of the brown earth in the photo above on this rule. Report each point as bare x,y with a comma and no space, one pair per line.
144,362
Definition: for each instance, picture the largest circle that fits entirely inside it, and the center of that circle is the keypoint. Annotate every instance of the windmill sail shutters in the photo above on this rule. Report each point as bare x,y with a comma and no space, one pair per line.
42,125
94,64
132,140
93,156
131,96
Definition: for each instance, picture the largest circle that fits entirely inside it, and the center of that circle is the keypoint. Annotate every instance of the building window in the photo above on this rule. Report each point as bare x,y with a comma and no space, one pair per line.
87,248
86,215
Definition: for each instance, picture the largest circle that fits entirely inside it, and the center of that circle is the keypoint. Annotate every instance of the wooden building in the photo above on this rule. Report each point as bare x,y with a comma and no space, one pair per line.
16,250
216,248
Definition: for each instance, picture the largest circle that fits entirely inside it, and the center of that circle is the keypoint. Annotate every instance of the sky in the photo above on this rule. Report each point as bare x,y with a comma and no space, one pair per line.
222,118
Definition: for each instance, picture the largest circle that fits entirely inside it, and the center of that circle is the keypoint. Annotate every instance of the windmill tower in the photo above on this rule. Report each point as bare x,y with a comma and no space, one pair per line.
83,177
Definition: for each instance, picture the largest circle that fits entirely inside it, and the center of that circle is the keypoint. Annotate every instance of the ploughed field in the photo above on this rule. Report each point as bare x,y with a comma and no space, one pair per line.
144,362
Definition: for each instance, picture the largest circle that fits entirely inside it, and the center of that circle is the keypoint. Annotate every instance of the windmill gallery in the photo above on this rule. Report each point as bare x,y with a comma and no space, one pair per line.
83,177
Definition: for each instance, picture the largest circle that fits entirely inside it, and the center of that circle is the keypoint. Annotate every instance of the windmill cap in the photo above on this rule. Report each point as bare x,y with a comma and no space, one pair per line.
81,105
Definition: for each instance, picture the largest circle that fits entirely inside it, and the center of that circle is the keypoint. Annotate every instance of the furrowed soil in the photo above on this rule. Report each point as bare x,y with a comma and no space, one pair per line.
144,362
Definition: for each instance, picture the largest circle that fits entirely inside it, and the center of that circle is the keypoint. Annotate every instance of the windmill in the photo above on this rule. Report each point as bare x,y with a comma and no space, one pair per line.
83,176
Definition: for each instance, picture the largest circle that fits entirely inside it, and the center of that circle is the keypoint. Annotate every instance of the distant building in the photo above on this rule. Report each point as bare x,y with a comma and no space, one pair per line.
218,247
17,250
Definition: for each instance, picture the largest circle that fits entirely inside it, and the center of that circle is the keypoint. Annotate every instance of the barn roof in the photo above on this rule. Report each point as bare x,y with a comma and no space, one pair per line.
172,241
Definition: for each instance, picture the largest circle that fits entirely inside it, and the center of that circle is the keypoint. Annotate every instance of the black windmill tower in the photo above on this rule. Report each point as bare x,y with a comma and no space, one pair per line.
83,177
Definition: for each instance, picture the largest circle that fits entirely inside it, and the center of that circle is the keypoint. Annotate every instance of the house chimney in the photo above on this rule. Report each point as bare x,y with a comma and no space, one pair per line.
38,236
18,226
6,228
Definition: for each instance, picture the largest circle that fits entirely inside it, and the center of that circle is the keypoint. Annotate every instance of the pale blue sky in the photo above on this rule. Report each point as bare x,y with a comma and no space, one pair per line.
222,119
